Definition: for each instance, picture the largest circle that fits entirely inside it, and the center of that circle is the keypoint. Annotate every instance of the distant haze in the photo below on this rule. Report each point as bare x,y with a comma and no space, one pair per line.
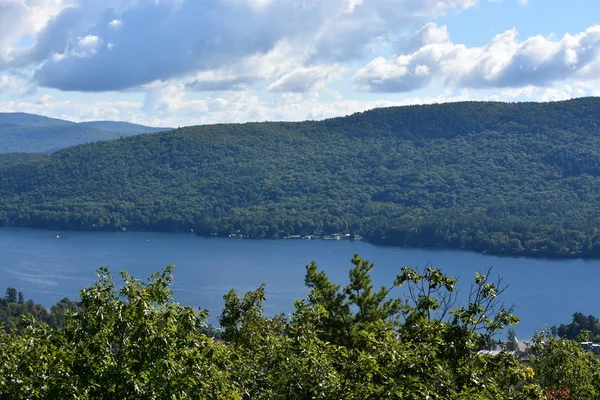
30,133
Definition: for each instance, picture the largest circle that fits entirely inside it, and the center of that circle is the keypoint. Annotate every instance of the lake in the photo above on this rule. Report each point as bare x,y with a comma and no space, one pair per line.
50,265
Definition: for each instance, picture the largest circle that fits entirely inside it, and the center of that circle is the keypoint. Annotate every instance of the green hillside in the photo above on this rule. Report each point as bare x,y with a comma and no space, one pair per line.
502,178
21,132
11,159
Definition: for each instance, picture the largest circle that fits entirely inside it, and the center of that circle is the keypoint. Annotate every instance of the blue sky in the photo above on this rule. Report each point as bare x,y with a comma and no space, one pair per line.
183,62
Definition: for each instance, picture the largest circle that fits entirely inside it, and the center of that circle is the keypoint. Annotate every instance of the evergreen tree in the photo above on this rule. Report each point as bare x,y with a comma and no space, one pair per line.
512,344
11,295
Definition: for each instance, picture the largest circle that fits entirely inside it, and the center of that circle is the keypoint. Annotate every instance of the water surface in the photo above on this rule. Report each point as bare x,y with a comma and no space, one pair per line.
50,265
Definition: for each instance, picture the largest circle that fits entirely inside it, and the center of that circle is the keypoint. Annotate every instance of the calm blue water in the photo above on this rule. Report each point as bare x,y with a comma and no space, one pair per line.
47,268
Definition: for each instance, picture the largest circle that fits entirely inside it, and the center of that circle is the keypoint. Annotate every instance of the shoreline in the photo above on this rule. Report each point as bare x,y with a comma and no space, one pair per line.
375,242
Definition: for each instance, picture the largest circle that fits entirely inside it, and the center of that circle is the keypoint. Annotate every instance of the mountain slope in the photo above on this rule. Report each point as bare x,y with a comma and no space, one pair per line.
122,127
20,132
44,139
25,119
495,177
12,159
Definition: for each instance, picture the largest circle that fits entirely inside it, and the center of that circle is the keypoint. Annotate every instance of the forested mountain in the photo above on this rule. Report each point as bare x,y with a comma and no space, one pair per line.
26,119
122,127
9,159
21,132
503,178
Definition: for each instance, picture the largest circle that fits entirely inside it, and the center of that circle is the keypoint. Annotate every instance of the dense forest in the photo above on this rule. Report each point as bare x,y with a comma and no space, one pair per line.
341,342
21,132
519,179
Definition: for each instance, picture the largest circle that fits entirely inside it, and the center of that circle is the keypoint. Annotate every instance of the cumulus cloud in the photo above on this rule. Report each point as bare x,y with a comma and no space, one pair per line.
7,83
306,79
430,33
236,51
16,85
143,41
505,62
24,18
217,84
282,59
170,105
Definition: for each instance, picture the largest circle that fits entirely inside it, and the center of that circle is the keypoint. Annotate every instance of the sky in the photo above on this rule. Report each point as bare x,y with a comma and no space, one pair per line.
188,62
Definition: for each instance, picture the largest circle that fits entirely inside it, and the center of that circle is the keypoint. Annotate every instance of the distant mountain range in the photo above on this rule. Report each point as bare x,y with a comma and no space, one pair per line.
30,133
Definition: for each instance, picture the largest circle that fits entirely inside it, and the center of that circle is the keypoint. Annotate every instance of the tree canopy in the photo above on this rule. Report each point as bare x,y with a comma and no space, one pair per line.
583,328
14,311
351,342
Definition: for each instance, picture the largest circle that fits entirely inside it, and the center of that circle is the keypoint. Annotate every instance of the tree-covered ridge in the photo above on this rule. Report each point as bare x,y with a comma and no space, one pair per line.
12,159
503,178
351,342
26,119
21,132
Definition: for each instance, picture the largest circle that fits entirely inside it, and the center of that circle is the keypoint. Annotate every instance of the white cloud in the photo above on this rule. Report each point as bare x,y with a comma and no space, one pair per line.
352,4
89,41
429,33
280,60
75,111
305,79
587,87
7,82
170,105
557,94
24,18
527,91
87,46
505,62
171,51
164,40
16,85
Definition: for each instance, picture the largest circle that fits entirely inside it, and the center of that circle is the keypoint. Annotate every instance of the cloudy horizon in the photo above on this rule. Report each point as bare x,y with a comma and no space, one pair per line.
184,62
